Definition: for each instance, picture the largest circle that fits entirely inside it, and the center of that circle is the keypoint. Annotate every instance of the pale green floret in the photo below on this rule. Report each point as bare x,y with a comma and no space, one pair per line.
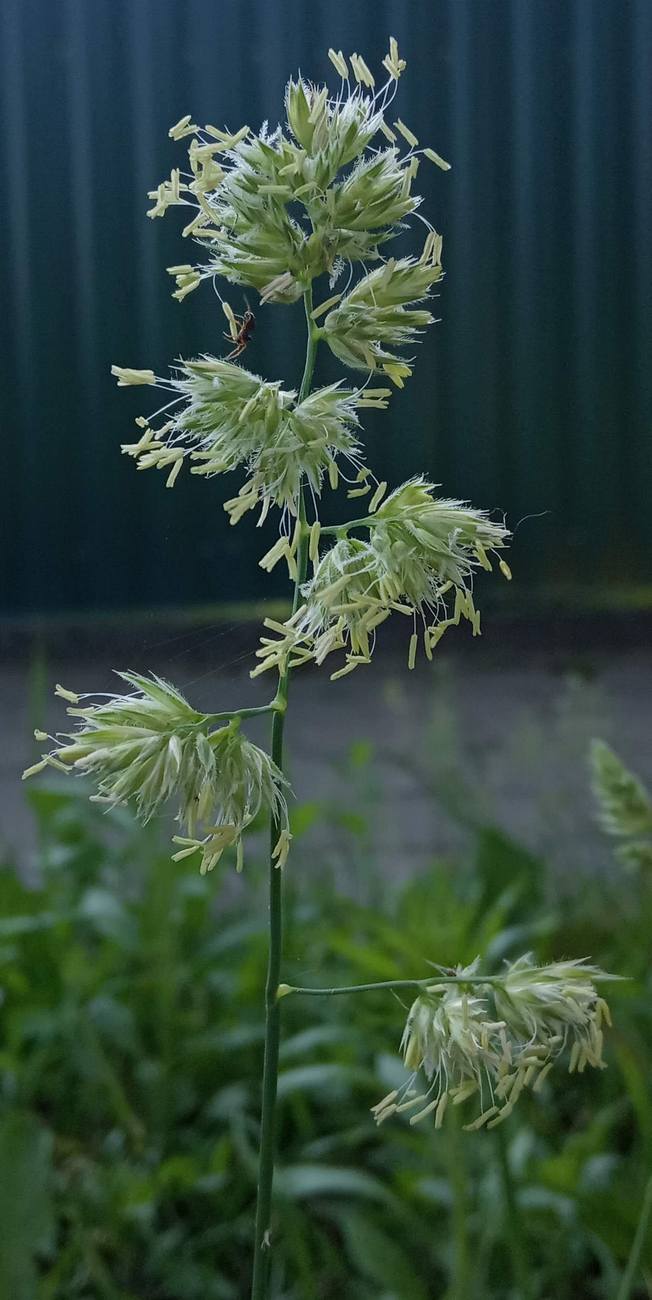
374,317
355,216
419,558
341,602
250,236
303,448
490,1041
152,746
275,210
424,543
374,197
554,1003
231,418
341,609
331,133
242,217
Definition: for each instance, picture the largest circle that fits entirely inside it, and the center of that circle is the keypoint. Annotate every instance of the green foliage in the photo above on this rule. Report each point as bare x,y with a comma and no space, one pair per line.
25,1200
131,1038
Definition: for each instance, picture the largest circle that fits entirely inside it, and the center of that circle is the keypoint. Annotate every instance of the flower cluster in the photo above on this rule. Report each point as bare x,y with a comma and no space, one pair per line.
228,417
331,133
624,806
375,317
420,556
275,209
342,610
425,543
151,746
490,1040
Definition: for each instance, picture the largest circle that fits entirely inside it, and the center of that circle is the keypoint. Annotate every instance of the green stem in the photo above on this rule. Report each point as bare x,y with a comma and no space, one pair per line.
340,530
459,1182
430,982
513,1223
256,712
259,1289
633,1263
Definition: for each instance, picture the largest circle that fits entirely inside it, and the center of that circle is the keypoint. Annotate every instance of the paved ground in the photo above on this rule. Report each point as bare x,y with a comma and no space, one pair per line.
394,762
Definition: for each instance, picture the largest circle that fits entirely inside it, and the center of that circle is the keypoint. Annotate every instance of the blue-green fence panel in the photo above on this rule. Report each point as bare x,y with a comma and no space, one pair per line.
533,395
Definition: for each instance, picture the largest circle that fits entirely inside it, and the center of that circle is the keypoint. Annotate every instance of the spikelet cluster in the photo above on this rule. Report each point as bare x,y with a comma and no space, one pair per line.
273,209
226,417
378,314
151,746
419,558
487,1042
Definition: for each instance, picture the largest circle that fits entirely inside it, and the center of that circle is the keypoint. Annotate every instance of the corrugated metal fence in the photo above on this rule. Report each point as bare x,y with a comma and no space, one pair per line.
534,393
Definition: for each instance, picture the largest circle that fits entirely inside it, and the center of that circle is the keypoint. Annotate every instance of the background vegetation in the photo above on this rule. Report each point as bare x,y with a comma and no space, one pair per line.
131,1029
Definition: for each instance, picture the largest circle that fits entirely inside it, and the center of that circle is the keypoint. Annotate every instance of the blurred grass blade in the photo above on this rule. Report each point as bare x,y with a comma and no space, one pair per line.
633,1263
26,1211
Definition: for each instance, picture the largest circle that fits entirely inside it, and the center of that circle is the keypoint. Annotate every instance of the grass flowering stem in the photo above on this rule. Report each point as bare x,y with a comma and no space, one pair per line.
262,1241
628,1280
514,1229
458,1175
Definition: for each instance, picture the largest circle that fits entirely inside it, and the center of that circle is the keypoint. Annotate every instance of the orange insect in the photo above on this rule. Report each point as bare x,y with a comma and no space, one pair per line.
241,329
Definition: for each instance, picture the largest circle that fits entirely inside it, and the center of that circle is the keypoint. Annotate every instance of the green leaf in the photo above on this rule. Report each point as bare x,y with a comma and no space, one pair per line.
316,1036
299,1182
26,1212
14,927
304,816
376,1252
105,912
314,1078
501,861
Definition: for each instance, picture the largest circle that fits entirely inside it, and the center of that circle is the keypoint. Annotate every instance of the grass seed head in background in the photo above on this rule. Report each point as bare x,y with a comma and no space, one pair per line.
624,806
